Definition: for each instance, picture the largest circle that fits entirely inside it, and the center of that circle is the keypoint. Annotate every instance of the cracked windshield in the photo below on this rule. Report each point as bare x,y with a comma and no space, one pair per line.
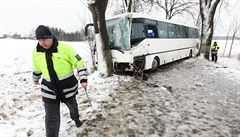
118,33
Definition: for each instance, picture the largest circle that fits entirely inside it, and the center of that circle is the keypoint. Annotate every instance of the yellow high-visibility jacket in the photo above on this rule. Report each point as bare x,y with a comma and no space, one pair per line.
56,66
214,49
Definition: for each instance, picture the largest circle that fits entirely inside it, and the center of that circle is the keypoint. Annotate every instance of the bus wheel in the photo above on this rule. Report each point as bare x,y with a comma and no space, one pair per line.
155,64
118,68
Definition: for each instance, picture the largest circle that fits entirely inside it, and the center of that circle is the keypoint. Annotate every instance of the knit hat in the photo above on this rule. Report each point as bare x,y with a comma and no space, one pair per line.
43,32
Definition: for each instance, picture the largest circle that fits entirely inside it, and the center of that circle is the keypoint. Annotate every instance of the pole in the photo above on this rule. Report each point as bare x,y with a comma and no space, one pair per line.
85,91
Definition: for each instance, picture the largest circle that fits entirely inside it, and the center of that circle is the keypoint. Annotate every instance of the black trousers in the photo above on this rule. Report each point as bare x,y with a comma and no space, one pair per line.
214,57
52,118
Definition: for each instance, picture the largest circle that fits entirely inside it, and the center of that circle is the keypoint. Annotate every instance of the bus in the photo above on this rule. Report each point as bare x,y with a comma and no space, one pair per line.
142,42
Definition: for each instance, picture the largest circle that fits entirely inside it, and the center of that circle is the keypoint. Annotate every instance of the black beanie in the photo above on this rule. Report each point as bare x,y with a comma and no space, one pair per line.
43,32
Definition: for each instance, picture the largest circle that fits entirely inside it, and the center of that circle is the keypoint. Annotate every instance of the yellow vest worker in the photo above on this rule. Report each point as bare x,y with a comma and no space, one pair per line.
55,62
214,50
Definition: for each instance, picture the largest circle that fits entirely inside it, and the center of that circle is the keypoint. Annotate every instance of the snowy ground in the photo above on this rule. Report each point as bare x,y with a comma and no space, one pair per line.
193,97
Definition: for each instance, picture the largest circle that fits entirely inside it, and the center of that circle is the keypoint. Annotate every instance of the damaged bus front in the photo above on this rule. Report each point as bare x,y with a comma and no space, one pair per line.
118,30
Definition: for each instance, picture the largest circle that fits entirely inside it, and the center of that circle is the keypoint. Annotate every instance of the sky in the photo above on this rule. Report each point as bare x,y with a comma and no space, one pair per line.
23,16
226,15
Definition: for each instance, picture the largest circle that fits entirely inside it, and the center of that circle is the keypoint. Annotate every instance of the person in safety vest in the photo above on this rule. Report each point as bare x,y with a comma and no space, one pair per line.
214,51
55,62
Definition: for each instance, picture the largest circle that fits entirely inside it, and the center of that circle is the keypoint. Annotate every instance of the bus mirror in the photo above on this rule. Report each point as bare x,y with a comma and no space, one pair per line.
86,28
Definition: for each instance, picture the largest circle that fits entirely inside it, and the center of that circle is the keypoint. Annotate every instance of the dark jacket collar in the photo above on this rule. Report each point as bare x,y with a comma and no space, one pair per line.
52,49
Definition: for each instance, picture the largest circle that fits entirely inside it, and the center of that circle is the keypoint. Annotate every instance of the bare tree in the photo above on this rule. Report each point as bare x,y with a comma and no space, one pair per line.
172,7
226,41
134,5
207,12
127,6
98,9
32,33
235,32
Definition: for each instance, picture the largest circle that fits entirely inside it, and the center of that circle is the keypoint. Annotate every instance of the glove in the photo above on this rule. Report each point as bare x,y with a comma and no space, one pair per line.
84,85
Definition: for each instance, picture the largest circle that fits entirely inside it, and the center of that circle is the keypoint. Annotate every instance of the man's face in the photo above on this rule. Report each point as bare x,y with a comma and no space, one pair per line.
45,43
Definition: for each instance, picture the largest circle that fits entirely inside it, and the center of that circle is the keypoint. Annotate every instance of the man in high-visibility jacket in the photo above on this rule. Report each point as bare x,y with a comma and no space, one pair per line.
55,62
214,51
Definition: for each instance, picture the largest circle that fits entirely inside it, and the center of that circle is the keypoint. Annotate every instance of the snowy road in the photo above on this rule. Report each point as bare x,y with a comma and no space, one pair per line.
194,98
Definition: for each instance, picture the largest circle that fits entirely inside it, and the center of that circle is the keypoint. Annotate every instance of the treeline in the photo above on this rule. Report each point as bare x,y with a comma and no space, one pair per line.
57,32
15,36
224,38
65,36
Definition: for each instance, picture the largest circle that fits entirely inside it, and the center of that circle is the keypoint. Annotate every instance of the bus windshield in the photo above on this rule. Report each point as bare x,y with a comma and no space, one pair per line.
118,33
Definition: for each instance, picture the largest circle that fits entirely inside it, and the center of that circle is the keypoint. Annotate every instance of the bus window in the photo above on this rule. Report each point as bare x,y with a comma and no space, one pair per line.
162,30
137,33
193,33
181,31
151,31
172,32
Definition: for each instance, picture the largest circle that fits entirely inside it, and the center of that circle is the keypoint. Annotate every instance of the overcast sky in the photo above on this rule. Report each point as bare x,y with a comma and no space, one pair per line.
23,16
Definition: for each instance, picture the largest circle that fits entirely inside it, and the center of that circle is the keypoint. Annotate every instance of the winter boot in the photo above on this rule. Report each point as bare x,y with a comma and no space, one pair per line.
78,123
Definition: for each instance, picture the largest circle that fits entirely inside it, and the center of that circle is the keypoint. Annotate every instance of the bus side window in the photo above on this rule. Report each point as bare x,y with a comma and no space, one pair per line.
137,33
193,33
172,31
162,30
151,31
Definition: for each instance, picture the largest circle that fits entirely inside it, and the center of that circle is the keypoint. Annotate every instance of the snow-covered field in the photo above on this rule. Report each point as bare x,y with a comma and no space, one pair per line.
194,97
235,49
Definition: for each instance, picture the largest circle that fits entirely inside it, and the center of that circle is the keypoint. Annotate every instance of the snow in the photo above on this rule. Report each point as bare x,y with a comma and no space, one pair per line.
193,97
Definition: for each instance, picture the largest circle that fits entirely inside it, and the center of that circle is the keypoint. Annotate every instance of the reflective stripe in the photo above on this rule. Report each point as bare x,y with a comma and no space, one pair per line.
83,77
70,94
46,88
66,76
35,80
37,72
36,77
69,89
48,95
81,73
81,69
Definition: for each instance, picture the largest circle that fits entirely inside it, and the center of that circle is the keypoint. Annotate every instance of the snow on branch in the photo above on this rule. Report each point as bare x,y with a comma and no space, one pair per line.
91,1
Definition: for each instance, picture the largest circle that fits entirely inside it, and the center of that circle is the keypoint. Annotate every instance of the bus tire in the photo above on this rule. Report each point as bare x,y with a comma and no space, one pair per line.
118,69
155,63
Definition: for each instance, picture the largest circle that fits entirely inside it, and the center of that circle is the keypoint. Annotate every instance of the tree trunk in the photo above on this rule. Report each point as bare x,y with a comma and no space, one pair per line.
207,12
104,57
225,45
230,51
130,6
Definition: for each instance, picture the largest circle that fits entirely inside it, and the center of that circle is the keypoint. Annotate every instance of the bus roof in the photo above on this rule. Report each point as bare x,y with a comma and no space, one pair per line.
146,16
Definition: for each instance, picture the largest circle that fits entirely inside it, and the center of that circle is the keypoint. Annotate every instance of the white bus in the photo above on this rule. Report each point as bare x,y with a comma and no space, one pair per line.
143,42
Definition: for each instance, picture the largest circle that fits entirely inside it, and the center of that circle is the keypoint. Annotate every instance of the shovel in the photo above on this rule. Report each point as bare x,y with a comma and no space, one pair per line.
89,100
